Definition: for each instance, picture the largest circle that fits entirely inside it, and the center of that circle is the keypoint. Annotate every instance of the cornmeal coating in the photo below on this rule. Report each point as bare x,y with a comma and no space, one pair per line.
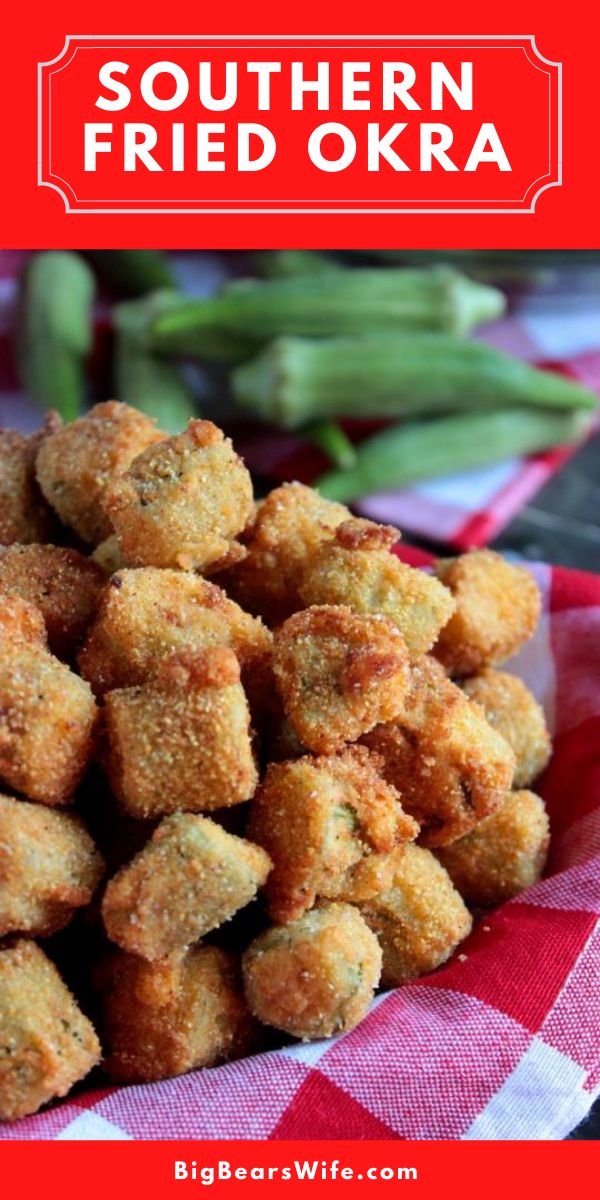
510,707
356,568
498,608
503,855
182,503
190,878
182,740
109,556
21,621
62,583
147,614
24,514
329,825
287,529
46,1043
419,920
316,976
49,867
47,719
449,765
339,673
180,1014
76,464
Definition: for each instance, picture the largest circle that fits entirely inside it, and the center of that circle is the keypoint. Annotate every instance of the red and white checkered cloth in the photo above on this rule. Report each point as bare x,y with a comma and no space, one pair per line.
501,1043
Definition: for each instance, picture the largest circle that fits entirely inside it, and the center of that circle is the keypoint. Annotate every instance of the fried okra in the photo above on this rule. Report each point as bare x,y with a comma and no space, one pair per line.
510,707
49,867
182,740
503,855
180,1014
356,568
316,976
108,555
288,528
76,464
46,1043
181,503
449,765
24,514
21,621
339,673
497,610
63,584
190,878
419,920
329,825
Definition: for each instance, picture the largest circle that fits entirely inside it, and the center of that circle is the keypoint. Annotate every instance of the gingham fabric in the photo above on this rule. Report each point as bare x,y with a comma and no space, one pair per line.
501,1043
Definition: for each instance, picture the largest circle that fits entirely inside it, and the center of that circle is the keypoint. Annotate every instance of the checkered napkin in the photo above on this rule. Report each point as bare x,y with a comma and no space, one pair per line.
503,1042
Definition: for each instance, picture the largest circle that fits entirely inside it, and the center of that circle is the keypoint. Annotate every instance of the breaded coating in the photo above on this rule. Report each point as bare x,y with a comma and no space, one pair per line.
47,719
109,556
63,584
419,920
21,621
510,707
497,609
357,569
316,976
46,1043
147,614
288,528
180,1014
329,825
182,740
503,855
339,673
190,878
24,514
182,503
449,765
76,464
49,866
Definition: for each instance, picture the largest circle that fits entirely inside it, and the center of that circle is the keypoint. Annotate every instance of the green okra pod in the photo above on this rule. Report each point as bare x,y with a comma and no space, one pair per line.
329,437
287,264
155,385
294,380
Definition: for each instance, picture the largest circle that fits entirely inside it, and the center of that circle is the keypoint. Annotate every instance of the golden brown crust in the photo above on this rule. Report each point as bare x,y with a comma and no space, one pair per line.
21,621
511,709
359,534
24,514
62,583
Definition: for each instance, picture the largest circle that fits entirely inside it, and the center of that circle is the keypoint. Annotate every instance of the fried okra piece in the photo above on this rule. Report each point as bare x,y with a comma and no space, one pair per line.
180,1014
63,584
181,503
182,741
147,614
497,609
316,976
450,766
505,854
49,867
419,920
329,825
288,528
46,1043
21,621
190,878
510,707
339,673
76,464
47,720
356,568
24,514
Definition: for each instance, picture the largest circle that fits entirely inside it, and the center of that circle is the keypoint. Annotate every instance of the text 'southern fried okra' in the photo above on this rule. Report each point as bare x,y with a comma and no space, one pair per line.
24,514
510,707
180,1014
503,855
182,741
46,1043
497,610
316,976
76,464
356,568
190,878
419,920
339,673
147,614
328,825
449,765
62,583
49,867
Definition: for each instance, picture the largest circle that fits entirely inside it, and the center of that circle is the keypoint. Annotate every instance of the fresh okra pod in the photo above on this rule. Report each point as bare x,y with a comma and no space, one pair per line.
329,437
294,381
154,385
401,455
287,264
